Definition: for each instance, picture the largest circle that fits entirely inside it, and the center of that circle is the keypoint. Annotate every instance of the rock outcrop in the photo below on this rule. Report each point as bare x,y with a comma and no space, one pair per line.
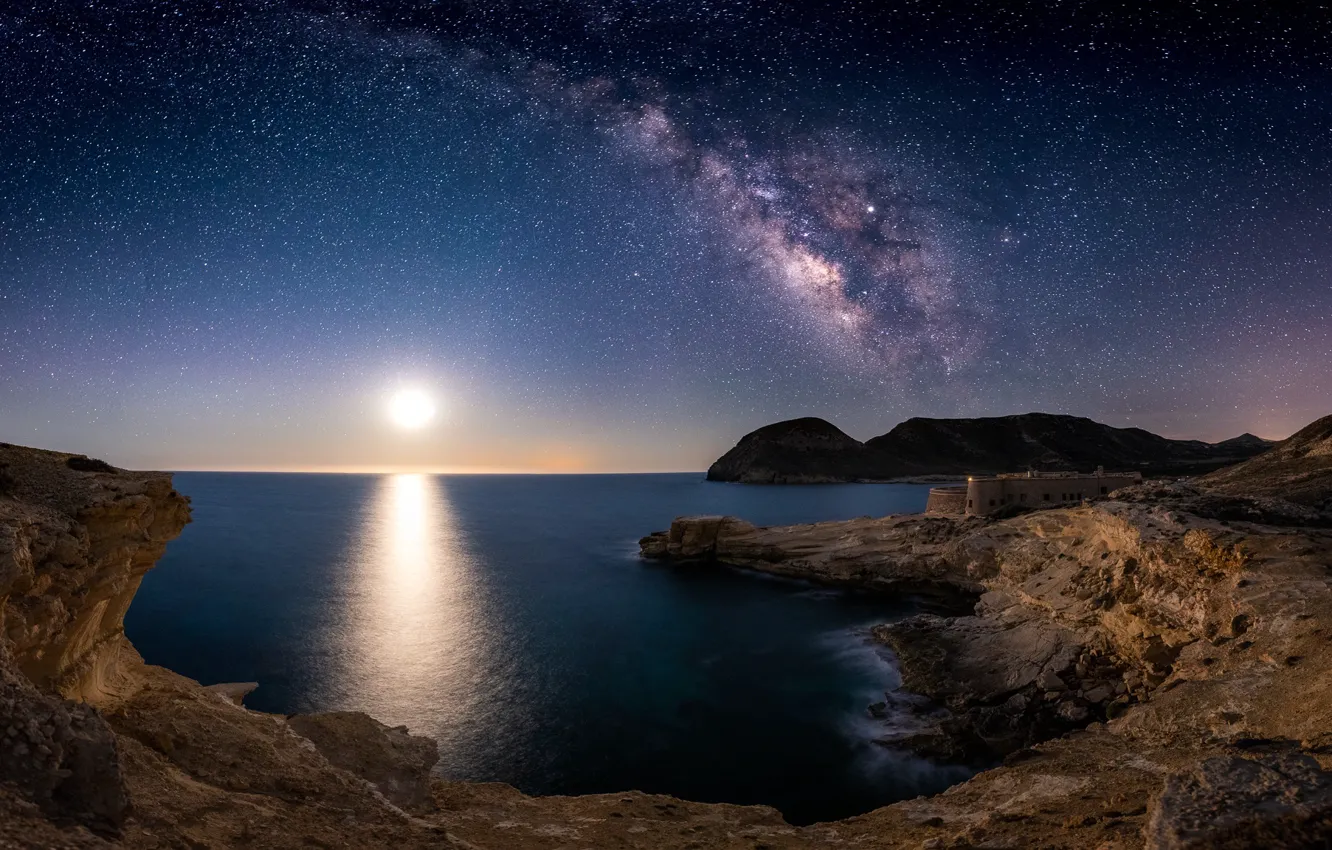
396,762
812,451
99,749
75,541
1163,652
62,755
910,552
1229,802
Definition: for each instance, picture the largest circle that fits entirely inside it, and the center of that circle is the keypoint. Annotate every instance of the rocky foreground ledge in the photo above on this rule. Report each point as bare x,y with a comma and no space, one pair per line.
1154,669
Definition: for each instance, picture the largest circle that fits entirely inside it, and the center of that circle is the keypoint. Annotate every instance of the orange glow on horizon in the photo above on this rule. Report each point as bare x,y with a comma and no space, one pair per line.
354,469
550,458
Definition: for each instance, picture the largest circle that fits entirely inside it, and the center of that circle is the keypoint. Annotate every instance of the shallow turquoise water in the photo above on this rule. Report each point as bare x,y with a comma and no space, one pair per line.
510,618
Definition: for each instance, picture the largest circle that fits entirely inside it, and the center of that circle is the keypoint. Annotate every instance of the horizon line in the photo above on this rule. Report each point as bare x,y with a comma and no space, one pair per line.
434,470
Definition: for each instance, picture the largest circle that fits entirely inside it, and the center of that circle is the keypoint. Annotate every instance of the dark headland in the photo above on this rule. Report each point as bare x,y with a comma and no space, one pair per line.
814,451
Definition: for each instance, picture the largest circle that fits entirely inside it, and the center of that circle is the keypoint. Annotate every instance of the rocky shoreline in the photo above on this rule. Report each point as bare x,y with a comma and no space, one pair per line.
1147,665
1153,668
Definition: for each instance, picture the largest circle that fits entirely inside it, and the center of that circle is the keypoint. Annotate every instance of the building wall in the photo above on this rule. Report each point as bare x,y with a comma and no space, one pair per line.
950,501
986,495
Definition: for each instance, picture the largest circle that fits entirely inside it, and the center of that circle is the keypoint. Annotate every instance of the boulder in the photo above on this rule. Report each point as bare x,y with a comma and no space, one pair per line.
1236,803
394,761
62,755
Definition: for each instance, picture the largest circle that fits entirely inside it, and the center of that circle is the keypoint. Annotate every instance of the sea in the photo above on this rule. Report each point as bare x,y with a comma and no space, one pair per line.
510,618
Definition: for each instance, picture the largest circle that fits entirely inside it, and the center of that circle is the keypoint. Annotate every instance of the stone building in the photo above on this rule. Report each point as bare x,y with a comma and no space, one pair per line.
947,501
984,495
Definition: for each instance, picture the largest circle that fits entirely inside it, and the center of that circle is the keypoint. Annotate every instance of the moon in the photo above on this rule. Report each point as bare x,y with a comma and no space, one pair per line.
411,409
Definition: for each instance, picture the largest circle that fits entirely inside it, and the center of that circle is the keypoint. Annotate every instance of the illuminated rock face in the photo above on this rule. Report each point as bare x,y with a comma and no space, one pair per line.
1132,649
86,727
76,538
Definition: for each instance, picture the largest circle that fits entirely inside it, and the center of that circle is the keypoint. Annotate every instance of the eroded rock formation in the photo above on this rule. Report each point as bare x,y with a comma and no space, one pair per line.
1112,645
75,540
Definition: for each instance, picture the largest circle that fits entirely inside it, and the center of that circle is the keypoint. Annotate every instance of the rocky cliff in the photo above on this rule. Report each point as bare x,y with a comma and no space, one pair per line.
811,450
76,538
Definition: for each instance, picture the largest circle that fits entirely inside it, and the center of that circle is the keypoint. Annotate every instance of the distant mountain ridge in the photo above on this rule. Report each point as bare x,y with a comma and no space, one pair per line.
814,451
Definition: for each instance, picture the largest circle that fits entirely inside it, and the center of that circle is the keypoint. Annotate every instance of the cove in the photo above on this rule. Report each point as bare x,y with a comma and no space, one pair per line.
509,618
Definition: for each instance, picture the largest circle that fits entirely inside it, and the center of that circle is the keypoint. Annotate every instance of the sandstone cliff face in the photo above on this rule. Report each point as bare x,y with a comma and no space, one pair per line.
98,749
95,745
75,540
74,544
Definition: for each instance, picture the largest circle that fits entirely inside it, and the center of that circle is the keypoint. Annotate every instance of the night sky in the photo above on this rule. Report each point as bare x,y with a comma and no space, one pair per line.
617,235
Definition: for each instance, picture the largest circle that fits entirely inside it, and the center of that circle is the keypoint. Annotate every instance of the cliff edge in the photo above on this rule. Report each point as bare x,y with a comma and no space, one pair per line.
76,538
99,749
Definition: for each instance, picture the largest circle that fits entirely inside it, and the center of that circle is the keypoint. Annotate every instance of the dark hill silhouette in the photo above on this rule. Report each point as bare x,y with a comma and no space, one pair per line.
812,450
1298,469
797,451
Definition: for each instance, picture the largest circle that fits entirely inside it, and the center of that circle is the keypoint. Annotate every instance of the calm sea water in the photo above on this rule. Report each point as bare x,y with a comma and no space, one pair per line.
510,618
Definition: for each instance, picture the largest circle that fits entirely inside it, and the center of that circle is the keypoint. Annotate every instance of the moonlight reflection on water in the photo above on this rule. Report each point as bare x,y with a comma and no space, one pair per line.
416,622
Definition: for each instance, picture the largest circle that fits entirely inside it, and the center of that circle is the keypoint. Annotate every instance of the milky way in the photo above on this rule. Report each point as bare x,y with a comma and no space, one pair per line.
841,242
617,235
